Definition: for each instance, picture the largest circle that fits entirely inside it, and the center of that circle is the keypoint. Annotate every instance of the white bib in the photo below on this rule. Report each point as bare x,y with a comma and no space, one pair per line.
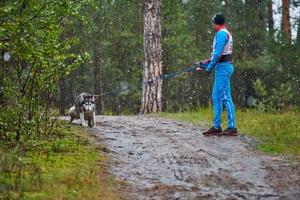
228,48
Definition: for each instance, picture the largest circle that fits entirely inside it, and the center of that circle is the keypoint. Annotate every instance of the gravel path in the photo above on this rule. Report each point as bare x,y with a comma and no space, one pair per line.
164,159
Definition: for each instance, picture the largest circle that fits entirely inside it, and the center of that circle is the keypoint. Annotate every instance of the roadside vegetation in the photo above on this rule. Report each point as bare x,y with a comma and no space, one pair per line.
278,133
51,51
41,158
61,165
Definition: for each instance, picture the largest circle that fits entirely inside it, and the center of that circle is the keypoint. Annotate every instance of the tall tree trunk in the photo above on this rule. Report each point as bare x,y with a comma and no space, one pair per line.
2,67
255,10
261,14
270,19
152,93
298,34
285,22
98,76
62,95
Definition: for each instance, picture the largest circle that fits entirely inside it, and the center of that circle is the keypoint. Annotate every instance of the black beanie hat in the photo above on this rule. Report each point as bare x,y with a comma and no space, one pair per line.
218,19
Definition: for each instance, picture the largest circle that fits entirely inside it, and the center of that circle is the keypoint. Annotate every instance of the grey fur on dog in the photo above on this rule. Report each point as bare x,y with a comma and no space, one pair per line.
84,109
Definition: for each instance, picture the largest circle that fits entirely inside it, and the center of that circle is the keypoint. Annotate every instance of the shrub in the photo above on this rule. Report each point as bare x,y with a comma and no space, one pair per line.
275,99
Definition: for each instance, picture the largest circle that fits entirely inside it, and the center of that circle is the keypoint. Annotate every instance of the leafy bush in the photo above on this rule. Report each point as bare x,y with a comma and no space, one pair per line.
61,165
275,99
37,53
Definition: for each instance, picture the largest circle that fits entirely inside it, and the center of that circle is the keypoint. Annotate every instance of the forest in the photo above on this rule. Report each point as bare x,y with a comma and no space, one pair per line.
93,50
265,57
53,50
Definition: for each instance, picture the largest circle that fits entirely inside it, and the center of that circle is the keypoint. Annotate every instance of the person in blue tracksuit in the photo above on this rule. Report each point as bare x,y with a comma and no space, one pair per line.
221,63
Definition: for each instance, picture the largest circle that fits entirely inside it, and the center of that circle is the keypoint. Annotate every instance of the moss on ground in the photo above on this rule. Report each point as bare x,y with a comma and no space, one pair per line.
278,133
63,165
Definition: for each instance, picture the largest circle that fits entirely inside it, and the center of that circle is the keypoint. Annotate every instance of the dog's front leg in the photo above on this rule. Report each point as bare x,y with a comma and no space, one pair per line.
83,123
94,118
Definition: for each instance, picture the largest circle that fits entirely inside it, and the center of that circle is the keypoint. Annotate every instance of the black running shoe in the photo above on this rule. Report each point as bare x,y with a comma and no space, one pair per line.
212,131
230,132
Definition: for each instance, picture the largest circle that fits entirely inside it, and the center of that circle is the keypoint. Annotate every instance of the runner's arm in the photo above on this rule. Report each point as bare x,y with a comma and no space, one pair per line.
221,40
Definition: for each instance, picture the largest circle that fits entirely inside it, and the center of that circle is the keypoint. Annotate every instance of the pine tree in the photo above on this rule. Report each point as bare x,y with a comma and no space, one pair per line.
152,93
270,19
285,22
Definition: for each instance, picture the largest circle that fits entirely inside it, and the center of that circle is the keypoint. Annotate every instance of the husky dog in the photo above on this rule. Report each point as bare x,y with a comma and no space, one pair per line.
84,109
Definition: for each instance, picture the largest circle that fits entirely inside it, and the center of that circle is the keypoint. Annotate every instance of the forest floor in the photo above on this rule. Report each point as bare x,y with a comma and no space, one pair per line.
66,164
166,159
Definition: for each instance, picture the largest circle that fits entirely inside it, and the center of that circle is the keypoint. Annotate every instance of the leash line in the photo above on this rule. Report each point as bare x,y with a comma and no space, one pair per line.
171,75
167,76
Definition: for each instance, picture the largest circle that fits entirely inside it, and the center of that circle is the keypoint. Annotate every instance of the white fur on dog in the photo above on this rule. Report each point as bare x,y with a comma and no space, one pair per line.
89,117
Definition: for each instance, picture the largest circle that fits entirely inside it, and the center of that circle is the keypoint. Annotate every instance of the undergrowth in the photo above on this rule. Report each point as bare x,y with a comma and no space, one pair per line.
61,165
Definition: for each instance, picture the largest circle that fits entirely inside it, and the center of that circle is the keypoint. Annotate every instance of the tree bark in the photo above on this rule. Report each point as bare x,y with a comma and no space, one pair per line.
96,71
62,95
2,67
270,19
97,76
255,10
285,22
298,34
152,93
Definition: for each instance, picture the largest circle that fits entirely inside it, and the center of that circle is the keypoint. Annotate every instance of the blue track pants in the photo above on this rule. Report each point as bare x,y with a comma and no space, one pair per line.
221,95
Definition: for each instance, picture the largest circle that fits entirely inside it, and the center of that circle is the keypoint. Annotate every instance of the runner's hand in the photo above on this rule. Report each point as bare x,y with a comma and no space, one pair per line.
199,69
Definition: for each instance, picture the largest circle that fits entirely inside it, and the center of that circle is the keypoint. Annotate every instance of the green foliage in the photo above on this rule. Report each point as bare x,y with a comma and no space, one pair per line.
116,50
60,48
109,37
34,34
278,98
112,33
261,91
61,165
282,96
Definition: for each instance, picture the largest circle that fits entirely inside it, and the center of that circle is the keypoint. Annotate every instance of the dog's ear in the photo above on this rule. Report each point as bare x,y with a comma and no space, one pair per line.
95,96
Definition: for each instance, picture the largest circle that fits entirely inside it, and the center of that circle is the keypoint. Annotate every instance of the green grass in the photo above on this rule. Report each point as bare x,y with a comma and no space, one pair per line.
63,165
278,133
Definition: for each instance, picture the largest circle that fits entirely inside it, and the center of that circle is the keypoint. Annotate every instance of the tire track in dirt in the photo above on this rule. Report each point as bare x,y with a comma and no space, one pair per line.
164,159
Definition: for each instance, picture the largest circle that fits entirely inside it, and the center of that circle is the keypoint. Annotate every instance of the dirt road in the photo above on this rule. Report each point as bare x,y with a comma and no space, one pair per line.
164,159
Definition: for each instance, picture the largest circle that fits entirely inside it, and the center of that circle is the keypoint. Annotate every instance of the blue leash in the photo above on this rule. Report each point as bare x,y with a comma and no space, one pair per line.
167,76
172,74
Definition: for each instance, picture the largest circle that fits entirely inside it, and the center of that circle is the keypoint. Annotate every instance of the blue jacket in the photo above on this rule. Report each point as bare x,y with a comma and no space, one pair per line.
223,45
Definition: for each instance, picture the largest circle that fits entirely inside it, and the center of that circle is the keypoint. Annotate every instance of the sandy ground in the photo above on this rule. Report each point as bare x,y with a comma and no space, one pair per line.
164,159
